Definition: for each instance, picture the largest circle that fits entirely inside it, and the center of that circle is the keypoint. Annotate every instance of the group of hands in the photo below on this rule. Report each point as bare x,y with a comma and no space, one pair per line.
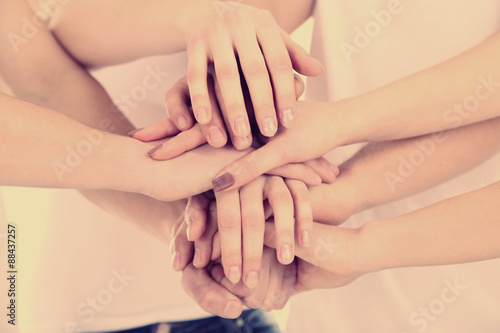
253,234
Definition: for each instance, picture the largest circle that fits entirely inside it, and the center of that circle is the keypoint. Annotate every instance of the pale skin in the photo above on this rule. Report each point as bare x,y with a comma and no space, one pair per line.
53,87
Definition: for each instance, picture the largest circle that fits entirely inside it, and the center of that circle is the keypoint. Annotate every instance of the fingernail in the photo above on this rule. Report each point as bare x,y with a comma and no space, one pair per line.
269,127
231,309
188,233
131,133
203,116
286,254
267,306
306,238
154,150
223,182
241,127
287,117
252,280
318,179
215,134
234,274
197,258
176,260
182,122
240,143
319,63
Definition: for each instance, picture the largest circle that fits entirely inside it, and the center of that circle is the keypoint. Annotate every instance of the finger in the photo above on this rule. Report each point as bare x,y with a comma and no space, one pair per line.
229,224
274,287
179,144
216,247
228,77
280,199
195,216
327,171
239,289
258,295
211,296
182,249
157,131
249,167
303,211
214,131
203,245
197,80
240,143
177,105
302,62
298,171
253,221
287,286
300,87
257,79
281,71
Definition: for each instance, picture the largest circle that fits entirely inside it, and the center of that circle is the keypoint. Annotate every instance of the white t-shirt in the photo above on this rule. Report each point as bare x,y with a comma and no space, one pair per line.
414,36
95,272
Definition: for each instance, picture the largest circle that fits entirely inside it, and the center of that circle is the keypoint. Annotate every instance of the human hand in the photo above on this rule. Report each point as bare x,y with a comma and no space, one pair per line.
318,129
231,35
177,100
335,257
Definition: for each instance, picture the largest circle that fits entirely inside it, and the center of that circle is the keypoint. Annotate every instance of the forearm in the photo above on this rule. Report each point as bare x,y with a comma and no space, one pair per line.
387,171
457,92
458,230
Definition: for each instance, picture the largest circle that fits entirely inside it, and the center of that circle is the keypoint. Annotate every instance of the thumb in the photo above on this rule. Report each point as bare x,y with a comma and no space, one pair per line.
301,60
249,167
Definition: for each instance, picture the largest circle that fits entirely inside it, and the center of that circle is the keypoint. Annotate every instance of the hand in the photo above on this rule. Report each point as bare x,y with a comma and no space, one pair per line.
275,286
229,34
334,258
318,129
177,100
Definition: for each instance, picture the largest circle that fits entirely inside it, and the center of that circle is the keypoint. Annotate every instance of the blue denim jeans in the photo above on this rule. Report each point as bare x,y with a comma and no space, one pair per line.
250,321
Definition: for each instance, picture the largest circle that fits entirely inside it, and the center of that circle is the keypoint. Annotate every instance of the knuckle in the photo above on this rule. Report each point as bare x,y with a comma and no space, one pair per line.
256,68
282,63
198,99
195,75
253,221
208,301
254,301
264,109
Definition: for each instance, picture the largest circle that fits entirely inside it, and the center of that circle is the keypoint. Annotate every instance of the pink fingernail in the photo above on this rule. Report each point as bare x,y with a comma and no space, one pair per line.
234,274
223,182
269,127
131,133
216,134
154,150
197,258
182,122
252,280
203,117
241,128
306,238
286,254
176,260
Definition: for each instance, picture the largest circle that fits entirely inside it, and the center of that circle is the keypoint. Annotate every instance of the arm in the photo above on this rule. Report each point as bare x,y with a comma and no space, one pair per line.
387,171
461,91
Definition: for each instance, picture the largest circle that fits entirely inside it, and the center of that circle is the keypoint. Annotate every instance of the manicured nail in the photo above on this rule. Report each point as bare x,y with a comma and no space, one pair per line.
287,117
252,280
241,127
286,254
306,238
176,261
182,122
215,134
240,143
131,133
231,309
197,258
223,182
188,233
154,150
267,306
203,116
269,127
234,274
